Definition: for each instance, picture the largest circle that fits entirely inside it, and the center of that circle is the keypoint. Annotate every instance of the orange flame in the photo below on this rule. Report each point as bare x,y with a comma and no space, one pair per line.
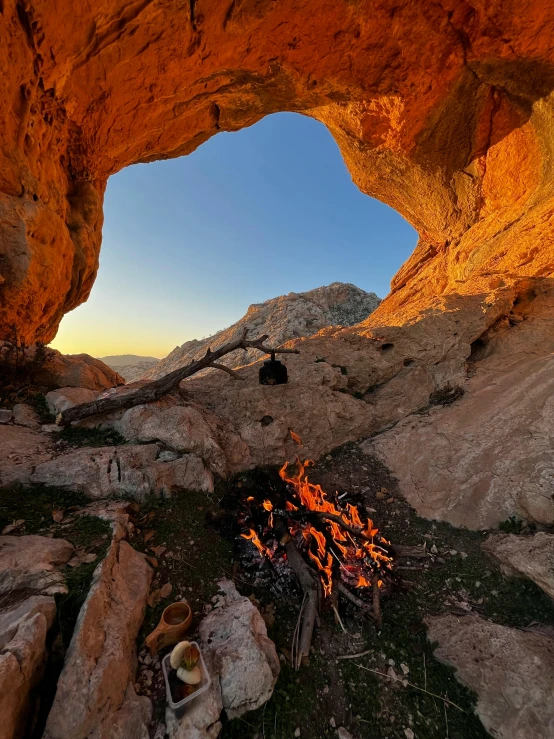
268,505
253,537
314,498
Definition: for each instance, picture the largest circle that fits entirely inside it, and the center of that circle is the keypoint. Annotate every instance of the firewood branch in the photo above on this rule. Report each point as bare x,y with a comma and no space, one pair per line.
158,388
309,582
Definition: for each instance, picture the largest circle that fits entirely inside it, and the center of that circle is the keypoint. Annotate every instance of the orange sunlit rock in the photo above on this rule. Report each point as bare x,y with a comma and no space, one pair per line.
440,110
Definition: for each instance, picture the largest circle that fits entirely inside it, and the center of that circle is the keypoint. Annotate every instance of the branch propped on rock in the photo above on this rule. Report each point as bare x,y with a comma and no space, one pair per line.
157,389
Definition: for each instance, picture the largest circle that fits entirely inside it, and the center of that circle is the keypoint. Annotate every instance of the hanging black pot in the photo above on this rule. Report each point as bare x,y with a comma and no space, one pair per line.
273,372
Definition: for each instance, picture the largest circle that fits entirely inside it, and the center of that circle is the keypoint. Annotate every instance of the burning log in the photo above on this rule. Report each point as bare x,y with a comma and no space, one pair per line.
327,545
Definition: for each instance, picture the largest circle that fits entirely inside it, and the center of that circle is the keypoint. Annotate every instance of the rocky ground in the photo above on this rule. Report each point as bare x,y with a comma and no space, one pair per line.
441,423
400,682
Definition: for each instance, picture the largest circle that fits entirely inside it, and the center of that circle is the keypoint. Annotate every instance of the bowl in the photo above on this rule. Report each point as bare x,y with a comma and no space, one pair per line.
202,687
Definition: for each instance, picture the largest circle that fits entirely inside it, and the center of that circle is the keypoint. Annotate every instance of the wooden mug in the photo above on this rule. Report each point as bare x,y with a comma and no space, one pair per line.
174,623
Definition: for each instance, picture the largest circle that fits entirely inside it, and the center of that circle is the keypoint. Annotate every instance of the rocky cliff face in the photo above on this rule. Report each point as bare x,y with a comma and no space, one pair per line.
287,317
442,111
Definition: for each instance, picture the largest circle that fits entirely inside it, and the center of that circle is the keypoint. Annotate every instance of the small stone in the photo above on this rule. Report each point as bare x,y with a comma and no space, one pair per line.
463,555
409,734
390,500
5,415
405,669
166,589
332,722
168,456
453,552
24,415
434,549
297,731
343,733
392,663
379,495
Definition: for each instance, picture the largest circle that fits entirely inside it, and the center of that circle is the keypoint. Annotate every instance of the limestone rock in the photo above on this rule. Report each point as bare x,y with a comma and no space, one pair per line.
67,397
75,370
286,317
21,449
95,695
453,132
25,415
511,671
28,571
241,653
529,556
23,630
186,429
6,416
485,458
128,470
31,562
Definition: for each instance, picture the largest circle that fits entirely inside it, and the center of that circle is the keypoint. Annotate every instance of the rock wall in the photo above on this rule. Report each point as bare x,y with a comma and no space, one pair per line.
441,110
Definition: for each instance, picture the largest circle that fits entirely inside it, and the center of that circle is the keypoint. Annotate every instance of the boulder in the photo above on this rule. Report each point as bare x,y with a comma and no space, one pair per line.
23,630
30,563
486,457
25,415
184,429
241,653
28,572
21,449
527,556
130,470
75,370
66,397
6,416
511,671
95,696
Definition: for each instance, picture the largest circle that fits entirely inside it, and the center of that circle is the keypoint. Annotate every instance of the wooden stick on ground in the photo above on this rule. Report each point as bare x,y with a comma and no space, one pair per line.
376,602
158,388
309,582
366,608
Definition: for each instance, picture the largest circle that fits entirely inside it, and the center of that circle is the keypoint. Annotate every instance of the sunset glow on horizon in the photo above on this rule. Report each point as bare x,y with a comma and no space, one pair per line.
190,243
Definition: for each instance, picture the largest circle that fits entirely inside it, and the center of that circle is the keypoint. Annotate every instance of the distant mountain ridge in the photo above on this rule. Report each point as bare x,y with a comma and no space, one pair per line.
283,318
121,360
130,366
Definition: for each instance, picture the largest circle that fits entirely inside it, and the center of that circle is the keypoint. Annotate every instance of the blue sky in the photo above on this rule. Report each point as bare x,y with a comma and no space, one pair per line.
190,243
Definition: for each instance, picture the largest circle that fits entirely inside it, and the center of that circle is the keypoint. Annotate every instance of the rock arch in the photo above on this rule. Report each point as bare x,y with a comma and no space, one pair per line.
443,110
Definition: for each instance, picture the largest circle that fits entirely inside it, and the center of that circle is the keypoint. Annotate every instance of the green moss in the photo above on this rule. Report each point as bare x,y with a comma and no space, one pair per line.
39,404
34,505
91,437
91,533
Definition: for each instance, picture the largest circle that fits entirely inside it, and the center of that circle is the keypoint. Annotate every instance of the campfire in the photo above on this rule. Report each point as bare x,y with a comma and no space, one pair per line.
332,549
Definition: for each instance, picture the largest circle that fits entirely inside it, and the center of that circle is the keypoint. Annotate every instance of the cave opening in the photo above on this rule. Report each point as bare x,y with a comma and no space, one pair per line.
190,243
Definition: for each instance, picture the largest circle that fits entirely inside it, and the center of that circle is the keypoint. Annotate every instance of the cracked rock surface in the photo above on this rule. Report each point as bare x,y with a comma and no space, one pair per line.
511,671
95,696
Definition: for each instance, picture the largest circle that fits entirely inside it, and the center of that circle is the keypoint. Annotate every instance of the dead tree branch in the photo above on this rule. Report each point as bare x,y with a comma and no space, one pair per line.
158,388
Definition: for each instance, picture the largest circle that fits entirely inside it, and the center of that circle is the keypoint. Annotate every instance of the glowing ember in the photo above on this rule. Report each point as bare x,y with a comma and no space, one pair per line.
332,537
